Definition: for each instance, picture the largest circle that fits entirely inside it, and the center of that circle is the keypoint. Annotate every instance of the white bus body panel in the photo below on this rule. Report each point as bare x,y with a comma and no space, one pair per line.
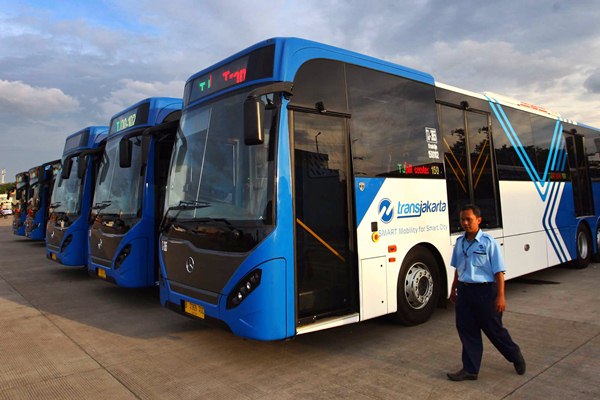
406,212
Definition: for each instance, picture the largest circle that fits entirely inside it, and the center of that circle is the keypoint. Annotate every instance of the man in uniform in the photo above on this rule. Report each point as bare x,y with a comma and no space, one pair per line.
478,292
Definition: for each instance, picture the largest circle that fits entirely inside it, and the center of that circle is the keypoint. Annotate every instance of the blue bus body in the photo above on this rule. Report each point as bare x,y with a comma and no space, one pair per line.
68,225
20,208
129,190
312,187
41,182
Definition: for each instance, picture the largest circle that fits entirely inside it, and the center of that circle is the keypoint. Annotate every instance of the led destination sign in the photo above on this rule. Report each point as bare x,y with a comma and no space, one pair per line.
256,65
134,117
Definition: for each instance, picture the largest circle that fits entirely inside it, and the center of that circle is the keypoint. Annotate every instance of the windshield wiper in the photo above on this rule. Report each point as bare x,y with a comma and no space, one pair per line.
183,205
55,205
101,205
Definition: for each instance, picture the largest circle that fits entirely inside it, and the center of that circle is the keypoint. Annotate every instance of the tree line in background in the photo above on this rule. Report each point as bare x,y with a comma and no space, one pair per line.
7,187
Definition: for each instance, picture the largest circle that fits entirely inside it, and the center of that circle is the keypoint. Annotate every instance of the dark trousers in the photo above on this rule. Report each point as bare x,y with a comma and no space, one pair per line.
475,312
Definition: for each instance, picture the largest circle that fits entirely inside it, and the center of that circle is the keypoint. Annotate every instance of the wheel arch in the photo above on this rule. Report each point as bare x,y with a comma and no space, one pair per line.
442,300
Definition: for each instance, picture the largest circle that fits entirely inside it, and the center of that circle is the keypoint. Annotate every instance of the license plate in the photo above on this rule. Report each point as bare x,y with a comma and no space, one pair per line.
193,309
101,273
54,256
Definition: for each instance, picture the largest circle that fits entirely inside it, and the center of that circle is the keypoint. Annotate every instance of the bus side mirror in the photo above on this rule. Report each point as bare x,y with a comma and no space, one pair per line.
125,151
66,168
254,111
81,166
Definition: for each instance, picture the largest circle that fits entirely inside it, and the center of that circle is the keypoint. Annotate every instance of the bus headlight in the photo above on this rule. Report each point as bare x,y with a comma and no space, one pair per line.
65,243
244,288
122,256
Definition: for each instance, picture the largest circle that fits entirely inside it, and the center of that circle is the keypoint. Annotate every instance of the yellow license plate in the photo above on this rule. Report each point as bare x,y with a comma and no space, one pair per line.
101,273
193,309
54,256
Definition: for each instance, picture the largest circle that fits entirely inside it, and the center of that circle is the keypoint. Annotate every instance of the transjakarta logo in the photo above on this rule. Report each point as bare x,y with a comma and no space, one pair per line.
386,211
408,210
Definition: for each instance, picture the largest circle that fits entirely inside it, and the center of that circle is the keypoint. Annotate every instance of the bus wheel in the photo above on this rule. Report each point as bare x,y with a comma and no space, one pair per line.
596,256
584,247
418,287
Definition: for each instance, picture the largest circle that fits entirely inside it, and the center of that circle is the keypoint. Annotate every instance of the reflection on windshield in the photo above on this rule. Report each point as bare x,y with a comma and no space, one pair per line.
66,196
120,187
212,164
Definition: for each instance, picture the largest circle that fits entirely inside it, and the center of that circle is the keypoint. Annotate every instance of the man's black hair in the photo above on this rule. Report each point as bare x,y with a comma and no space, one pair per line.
476,210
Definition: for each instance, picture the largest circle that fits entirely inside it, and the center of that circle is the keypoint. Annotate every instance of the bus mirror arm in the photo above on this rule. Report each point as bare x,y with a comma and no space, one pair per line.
254,110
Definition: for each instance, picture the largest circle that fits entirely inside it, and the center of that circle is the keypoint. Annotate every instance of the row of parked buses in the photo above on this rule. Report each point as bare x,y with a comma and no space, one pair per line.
299,187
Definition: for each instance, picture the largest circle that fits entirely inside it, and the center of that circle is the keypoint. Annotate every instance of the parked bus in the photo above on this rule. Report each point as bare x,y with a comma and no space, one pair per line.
313,187
20,205
41,182
68,225
130,190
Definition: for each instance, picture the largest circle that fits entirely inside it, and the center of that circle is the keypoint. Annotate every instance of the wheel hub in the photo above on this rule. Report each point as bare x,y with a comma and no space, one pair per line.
582,245
418,286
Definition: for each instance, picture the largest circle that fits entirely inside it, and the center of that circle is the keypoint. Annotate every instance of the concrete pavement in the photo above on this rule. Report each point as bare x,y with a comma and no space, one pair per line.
65,335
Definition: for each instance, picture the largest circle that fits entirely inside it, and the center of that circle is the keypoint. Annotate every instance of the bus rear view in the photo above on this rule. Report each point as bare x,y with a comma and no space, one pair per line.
129,195
68,225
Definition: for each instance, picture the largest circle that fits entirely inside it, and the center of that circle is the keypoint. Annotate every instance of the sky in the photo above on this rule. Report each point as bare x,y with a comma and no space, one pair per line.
65,65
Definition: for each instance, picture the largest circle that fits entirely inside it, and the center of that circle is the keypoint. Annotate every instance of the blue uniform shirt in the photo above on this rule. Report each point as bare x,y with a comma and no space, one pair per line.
477,261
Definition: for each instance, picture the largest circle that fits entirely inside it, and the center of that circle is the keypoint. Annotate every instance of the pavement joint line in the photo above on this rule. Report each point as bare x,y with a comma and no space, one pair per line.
46,316
552,365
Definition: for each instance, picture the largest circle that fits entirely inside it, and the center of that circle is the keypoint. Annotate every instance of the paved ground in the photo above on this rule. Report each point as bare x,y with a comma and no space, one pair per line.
65,335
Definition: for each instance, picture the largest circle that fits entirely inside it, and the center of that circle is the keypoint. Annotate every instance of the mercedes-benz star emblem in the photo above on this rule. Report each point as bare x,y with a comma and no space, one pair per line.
100,244
189,265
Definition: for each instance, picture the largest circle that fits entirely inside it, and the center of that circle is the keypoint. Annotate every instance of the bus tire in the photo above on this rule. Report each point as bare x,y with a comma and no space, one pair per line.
419,286
584,247
596,256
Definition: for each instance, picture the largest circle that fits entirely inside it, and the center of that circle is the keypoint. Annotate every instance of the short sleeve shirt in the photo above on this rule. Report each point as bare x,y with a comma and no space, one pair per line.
477,261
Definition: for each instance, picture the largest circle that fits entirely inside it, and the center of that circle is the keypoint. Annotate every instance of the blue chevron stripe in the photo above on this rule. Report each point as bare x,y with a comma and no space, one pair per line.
547,190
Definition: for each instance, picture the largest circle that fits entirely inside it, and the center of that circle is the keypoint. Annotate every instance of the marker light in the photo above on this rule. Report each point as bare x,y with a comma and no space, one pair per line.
244,288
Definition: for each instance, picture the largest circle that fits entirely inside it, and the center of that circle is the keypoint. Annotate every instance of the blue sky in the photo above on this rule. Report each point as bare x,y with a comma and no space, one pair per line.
65,65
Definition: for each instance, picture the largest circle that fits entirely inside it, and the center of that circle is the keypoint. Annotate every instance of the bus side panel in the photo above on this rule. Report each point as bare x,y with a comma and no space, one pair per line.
393,216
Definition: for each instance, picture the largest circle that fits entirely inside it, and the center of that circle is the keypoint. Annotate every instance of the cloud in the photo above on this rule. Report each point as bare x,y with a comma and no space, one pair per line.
131,91
592,83
18,98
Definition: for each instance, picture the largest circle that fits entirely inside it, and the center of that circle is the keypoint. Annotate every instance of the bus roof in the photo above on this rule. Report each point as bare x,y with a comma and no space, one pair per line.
290,53
145,113
86,138
514,103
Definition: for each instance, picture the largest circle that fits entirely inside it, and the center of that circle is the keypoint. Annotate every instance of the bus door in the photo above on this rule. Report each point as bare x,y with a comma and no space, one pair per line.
468,158
324,240
580,175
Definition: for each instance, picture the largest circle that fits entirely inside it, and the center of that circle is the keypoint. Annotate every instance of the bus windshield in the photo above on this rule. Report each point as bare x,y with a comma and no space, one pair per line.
118,189
66,196
212,168
34,193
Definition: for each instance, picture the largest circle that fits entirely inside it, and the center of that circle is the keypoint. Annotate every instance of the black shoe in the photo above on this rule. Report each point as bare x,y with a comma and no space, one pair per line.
520,366
461,375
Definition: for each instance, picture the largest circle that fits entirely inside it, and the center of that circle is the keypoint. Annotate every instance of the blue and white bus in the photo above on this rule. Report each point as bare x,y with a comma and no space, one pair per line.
20,206
130,190
41,182
313,187
68,225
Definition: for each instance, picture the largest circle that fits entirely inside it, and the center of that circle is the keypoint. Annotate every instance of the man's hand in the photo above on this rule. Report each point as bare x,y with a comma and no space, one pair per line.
500,304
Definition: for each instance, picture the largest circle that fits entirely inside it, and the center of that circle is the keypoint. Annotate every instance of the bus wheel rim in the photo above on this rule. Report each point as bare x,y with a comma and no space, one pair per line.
418,286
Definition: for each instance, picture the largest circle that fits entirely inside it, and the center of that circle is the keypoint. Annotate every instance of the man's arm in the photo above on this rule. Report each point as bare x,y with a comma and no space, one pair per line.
453,289
500,302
